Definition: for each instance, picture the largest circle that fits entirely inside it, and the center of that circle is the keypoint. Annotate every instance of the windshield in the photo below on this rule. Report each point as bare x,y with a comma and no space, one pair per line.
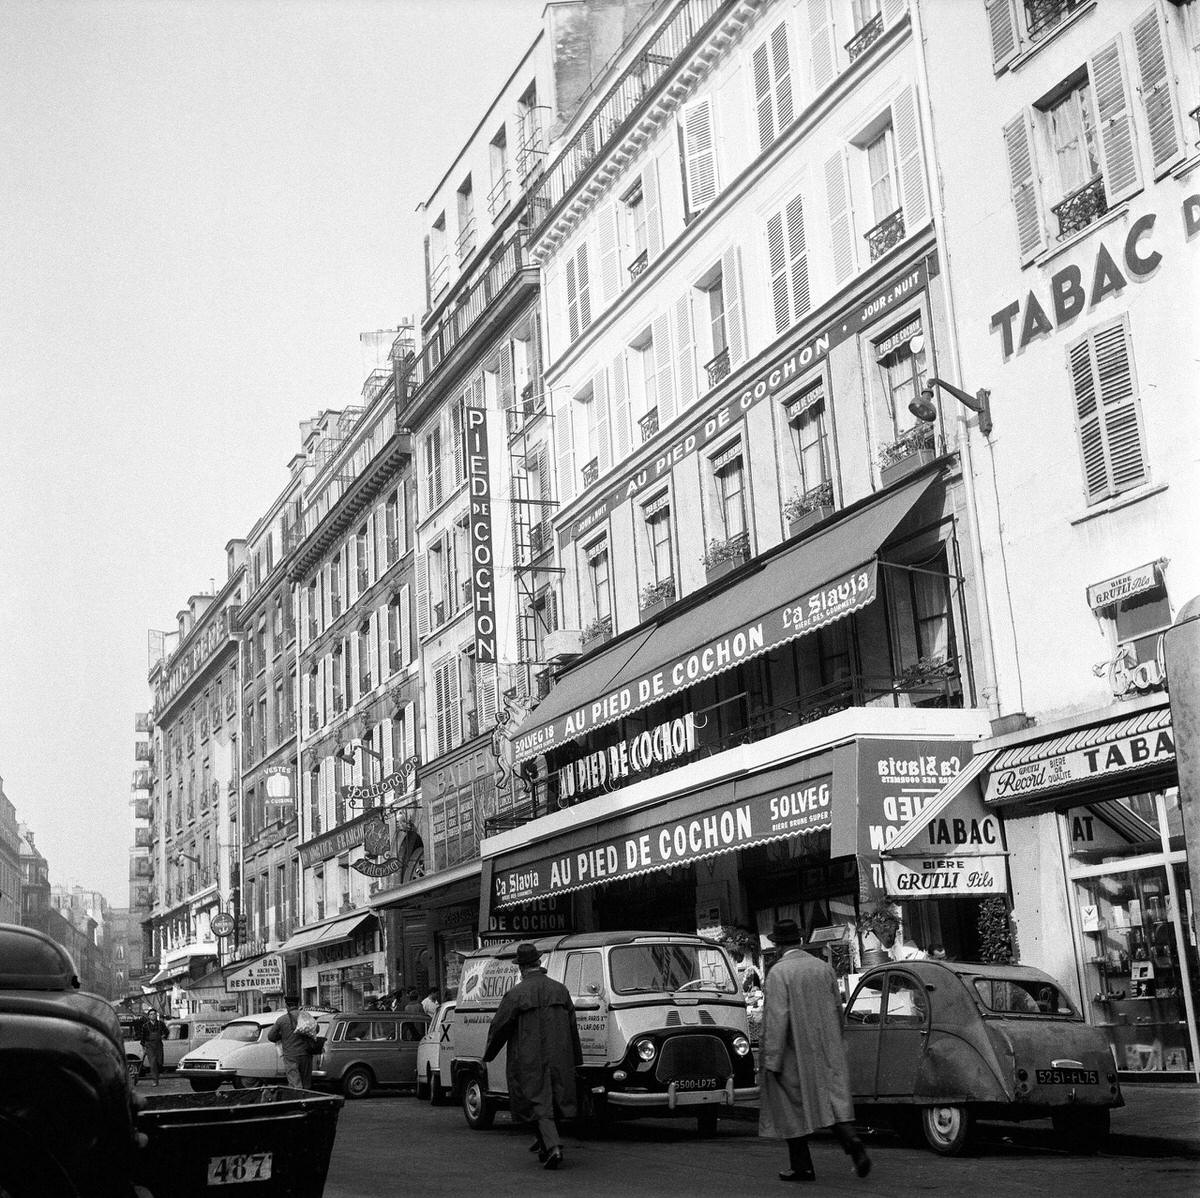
1022,996
245,1033
654,968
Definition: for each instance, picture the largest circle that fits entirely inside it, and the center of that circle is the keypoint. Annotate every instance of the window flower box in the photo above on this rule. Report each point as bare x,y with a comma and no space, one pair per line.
655,596
909,452
807,508
927,670
597,632
723,557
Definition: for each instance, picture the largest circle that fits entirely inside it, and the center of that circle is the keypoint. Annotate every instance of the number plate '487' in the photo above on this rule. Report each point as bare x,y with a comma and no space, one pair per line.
244,1166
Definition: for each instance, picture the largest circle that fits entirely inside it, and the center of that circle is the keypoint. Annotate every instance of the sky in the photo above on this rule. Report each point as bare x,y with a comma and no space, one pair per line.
205,203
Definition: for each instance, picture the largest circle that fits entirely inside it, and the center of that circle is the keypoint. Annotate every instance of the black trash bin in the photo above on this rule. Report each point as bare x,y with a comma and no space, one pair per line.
271,1141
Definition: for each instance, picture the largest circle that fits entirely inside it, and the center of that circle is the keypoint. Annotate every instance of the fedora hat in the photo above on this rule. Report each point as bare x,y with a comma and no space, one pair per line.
786,932
527,955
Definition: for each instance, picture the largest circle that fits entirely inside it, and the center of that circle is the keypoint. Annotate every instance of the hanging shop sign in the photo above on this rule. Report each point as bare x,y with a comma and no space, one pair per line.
1124,586
1128,676
222,924
771,383
280,789
379,860
483,596
946,877
628,848
265,975
806,613
607,769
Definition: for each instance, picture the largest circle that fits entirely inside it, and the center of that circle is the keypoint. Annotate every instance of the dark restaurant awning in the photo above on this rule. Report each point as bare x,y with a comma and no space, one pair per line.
824,579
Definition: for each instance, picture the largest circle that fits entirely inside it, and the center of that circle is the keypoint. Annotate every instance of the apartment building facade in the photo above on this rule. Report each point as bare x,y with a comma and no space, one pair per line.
10,861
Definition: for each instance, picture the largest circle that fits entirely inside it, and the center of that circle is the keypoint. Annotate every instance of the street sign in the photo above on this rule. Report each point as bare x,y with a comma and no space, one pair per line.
265,975
221,924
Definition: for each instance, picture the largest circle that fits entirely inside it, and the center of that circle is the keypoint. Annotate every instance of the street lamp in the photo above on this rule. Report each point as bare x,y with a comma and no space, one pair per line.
925,410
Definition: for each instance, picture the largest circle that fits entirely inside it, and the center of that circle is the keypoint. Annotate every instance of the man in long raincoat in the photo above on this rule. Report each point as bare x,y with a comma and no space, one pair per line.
536,1019
805,1079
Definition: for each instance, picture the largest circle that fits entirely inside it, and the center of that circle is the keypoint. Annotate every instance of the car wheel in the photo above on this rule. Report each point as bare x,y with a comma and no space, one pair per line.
706,1121
478,1110
357,1082
1082,1129
947,1128
423,1086
437,1092
203,1087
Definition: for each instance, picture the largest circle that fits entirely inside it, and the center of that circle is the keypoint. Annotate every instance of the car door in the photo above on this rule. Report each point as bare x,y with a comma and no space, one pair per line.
176,1043
862,1024
444,1050
411,1031
903,1034
583,976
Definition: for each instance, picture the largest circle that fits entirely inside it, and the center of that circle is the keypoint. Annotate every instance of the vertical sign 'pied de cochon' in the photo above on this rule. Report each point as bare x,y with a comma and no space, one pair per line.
482,576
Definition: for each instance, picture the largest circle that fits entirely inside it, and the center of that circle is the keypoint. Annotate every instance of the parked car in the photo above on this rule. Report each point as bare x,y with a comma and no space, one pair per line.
184,1035
365,1049
933,1045
434,1054
239,1053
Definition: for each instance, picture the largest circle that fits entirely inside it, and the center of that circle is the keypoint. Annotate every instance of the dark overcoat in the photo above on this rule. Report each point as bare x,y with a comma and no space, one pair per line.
536,1019
805,1079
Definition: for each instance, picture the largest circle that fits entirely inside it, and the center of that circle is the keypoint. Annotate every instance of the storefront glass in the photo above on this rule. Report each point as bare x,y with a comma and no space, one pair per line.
1137,945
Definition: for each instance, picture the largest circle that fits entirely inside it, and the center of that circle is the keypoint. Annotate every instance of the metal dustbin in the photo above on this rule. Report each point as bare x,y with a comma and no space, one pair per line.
275,1140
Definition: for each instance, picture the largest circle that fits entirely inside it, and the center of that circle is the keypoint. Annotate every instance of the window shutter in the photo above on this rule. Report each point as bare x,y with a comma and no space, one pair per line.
453,702
566,452
663,380
777,257
907,128
507,386
841,233
572,300
1022,177
603,446
893,10
685,351
782,67
622,433
731,286
798,258
763,102
581,278
422,594
1157,90
821,44
485,694
410,735
699,155
610,258
654,230
1114,120
406,653
1002,21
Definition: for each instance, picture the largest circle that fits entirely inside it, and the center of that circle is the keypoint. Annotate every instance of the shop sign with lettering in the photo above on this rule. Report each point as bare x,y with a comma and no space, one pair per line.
1128,676
265,975
606,769
542,917
483,597
1123,586
629,849
775,379
806,613
945,876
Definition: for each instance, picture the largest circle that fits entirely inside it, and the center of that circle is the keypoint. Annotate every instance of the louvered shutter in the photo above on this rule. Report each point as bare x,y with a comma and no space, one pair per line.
664,384
654,229
1114,121
1157,90
565,444
409,730
453,702
699,155
841,233
777,258
731,287
485,694
507,387
603,446
781,67
1002,21
405,623
685,351
422,593
763,101
798,258
610,259
1023,181
622,431
907,128
583,283
572,300
822,52
892,11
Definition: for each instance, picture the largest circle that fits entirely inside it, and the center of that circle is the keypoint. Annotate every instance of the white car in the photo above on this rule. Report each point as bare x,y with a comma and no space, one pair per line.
239,1054
434,1054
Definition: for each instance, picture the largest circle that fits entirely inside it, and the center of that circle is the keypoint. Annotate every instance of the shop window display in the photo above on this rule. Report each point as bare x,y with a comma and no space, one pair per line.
1138,951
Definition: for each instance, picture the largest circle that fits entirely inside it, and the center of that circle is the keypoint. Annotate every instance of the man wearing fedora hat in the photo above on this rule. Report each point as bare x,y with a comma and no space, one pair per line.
805,1079
536,1019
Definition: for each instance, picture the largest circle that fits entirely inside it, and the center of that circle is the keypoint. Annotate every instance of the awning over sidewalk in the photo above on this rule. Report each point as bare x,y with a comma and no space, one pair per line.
326,933
797,592
178,969
399,895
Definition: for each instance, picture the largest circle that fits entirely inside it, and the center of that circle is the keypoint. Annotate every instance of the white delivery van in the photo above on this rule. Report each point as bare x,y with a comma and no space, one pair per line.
662,1025
190,1032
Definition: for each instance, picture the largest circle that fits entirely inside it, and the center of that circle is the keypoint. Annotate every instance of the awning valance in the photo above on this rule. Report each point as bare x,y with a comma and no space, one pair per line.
341,928
170,973
797,592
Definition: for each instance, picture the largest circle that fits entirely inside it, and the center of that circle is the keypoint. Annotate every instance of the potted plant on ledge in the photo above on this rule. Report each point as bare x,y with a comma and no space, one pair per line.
655,596
722,557
910,451
807,508
597,631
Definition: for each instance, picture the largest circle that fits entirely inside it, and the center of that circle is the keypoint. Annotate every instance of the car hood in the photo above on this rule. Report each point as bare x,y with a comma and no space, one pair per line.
216,1050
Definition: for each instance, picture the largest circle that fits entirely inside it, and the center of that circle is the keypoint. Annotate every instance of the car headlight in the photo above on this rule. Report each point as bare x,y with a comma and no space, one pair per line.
741,1045
645,1050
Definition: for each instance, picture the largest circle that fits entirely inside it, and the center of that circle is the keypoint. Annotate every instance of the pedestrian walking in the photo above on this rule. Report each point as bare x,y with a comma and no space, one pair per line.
153,1033
536,1019
805,1080
295,1033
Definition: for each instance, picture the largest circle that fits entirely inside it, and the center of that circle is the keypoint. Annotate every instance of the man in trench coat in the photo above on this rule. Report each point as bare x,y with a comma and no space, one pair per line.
805,1079
536,1019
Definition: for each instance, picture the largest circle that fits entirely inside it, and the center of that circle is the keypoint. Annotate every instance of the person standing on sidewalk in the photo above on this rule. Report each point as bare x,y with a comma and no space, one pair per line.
297,1045
153,1033
805,1078
536,1019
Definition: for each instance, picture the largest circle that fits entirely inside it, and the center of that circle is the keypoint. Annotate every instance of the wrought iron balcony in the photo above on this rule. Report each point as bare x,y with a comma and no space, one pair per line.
439,276
591,472
465,243
141,722
143,751
639,264
531,152
718,368
648,424
865,38
498,196
1195,115
1081,207
889,232
1042,15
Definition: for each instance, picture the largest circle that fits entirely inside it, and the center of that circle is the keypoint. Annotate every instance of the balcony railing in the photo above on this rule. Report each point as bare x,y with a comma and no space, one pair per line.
889,232
639,264
531,152
866,37
465,243
718,368
439,276
141,722
648,424
143,751
498,196
1042,15
614,112
1081,207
